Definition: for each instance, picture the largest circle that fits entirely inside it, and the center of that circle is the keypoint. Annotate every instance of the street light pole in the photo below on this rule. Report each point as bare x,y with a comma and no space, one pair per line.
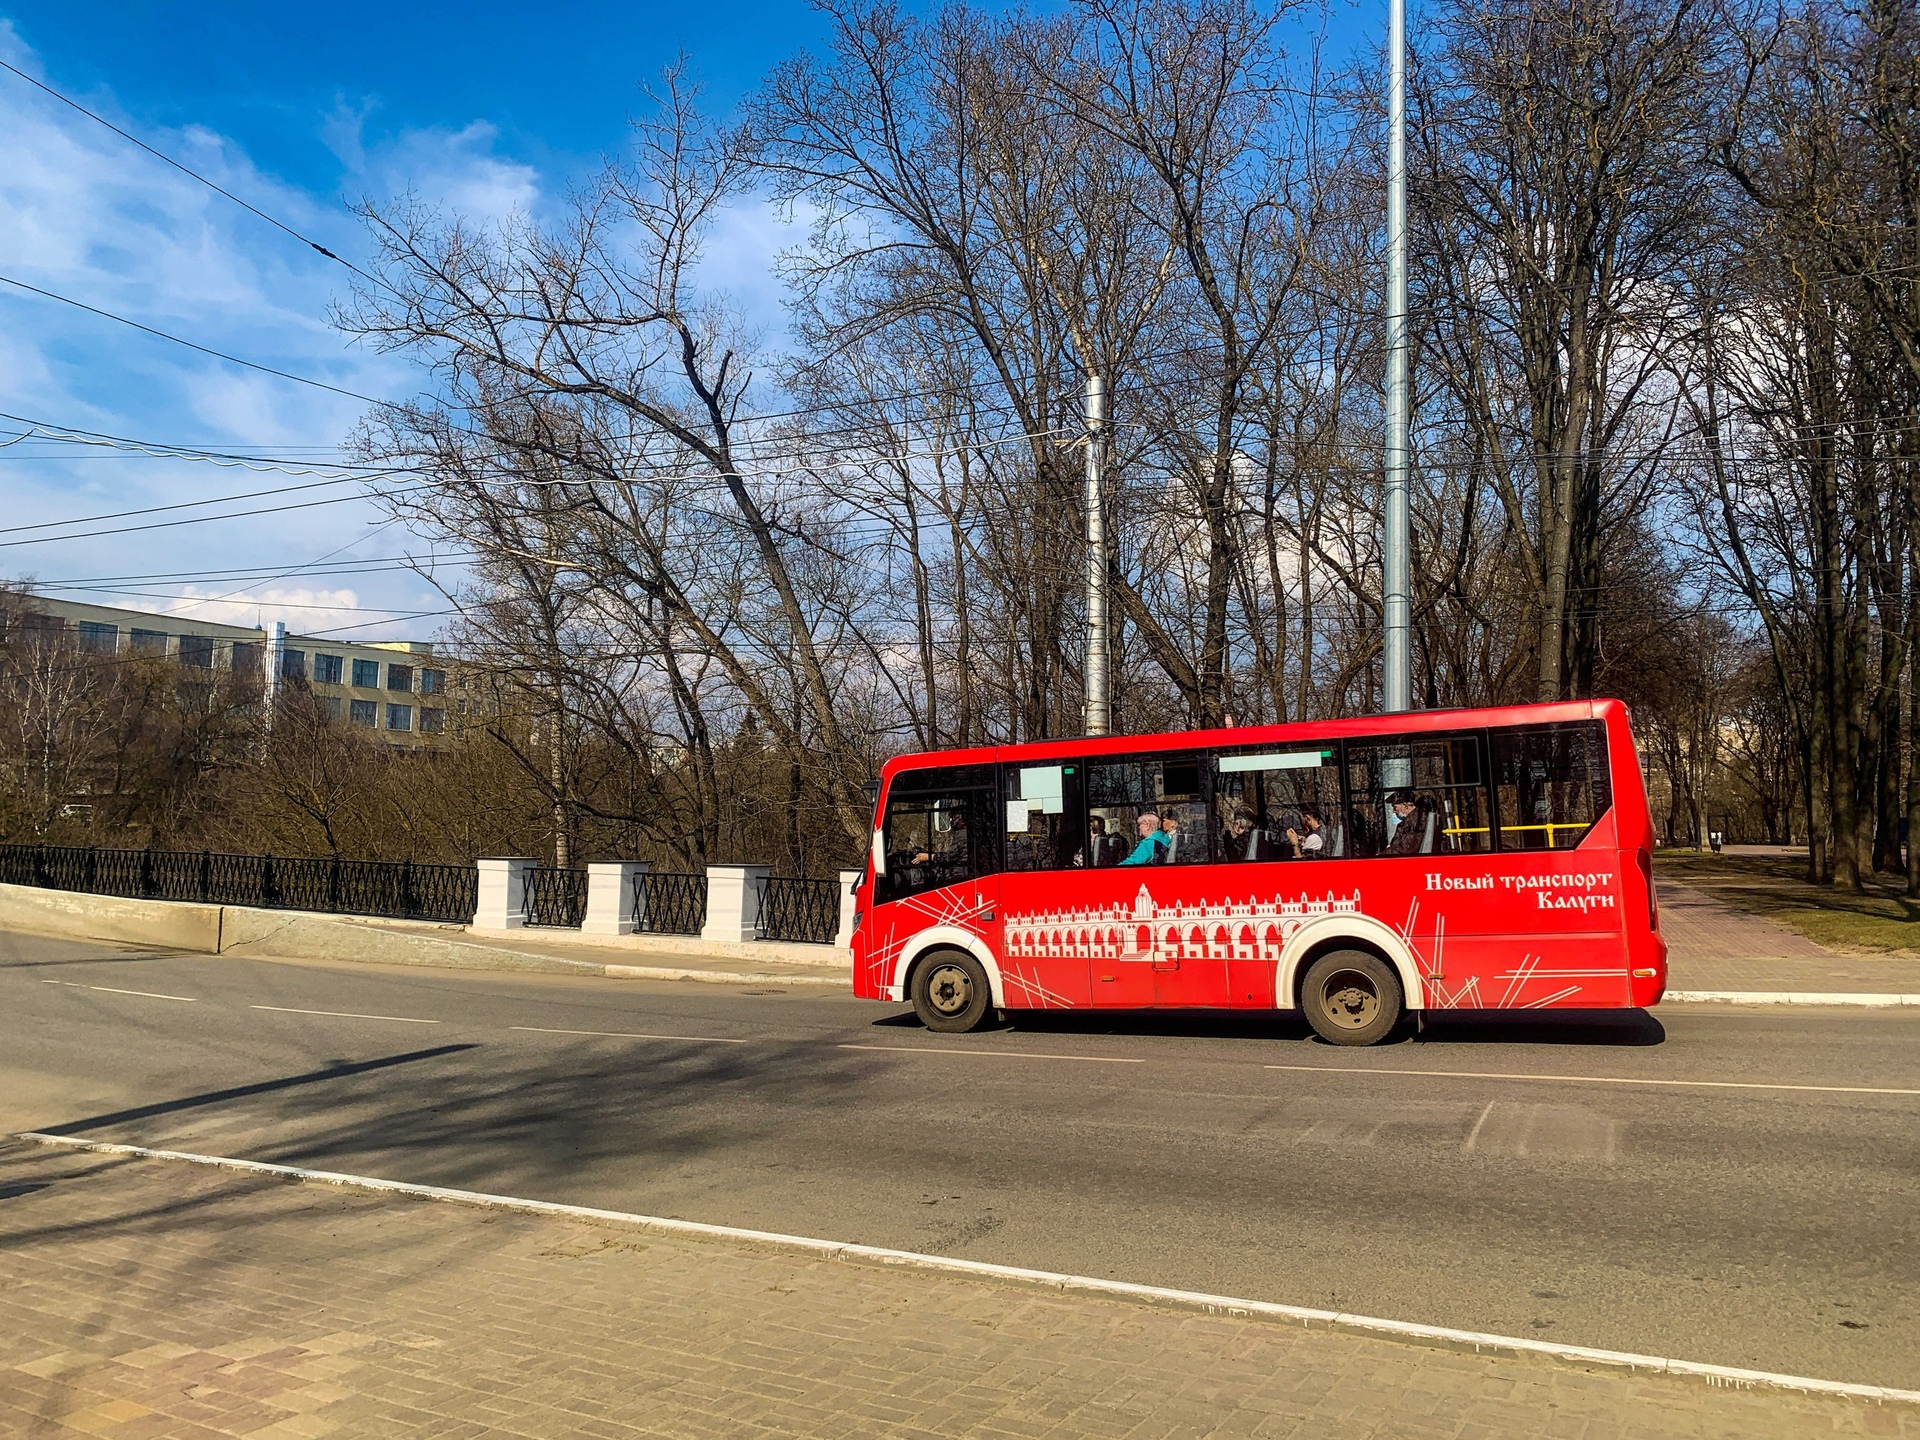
1397,588
1099,710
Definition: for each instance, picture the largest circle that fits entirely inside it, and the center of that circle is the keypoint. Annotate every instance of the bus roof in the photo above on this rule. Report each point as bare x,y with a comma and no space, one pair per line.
1076,747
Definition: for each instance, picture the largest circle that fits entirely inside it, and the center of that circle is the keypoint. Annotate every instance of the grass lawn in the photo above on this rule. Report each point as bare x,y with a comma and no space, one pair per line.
1881,921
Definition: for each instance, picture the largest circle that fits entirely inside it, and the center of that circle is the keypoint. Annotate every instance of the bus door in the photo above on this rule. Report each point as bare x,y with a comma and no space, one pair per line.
939,845
1153,811
1053,929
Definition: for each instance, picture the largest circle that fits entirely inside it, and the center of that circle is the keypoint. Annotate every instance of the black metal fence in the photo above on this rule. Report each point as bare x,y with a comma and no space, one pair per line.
396,889
666,903
556,898
804,910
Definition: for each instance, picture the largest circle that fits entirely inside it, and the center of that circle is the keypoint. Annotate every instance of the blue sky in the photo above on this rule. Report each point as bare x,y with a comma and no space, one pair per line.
482,107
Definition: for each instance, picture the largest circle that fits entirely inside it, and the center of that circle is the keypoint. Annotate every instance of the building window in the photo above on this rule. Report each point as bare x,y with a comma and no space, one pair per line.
293,664
399,717
149,642
97,639
366,674
399,677
363,712
326,669
328,708
197,650
432,722
433,682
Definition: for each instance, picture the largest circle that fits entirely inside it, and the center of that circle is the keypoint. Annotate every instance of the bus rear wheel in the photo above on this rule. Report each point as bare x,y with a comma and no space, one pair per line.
950,992
1351,998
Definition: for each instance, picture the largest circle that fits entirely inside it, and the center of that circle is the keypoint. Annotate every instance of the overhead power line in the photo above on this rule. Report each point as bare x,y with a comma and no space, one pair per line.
191,345
190,174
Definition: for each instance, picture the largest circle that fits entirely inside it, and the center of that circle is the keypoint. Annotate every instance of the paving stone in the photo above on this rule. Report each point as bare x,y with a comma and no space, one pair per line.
145,1298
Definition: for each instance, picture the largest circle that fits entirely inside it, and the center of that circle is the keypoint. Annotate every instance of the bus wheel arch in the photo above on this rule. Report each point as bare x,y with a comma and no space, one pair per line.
950,937
1345,932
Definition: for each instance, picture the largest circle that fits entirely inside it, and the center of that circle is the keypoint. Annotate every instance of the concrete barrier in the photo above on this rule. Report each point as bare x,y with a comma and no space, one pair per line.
172,924
306,935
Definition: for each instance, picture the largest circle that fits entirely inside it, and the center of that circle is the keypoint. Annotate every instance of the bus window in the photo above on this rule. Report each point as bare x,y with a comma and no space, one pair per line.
1278,805
1418,795
1552,782
1170,788
1045,818
938,830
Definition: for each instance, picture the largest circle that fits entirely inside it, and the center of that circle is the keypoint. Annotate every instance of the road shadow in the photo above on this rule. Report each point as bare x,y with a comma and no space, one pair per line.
1609,1028
483,1115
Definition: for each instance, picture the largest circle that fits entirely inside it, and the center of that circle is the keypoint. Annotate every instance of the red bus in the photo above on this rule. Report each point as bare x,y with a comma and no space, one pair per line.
1353,870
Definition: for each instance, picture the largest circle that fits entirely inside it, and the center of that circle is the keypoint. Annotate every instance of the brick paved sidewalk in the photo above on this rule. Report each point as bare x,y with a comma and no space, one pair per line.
147,1298
1713,946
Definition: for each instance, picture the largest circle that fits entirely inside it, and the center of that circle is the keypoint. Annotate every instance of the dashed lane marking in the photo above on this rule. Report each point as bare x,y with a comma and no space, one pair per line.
1001,1054
1595,1079
1719,1376
111,990
344,1015
627,1035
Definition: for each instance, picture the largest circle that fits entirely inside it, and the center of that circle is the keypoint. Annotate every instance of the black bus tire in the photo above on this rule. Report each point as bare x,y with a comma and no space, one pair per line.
950,992
1351,997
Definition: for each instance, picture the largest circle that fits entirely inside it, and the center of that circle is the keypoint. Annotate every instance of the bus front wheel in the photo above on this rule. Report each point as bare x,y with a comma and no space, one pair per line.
950,992
1351,998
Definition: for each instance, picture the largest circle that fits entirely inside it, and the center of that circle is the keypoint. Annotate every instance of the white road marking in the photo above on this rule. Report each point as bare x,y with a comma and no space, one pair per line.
1004,1054
1594,1079
110,990
148,994
1719,1376
627,1035
344,1015
1479,1124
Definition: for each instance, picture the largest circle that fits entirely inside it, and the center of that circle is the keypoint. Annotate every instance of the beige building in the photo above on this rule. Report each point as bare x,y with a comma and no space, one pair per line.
396,687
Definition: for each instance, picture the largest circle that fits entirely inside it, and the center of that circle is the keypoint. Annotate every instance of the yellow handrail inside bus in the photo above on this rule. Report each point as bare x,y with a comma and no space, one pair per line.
1550,828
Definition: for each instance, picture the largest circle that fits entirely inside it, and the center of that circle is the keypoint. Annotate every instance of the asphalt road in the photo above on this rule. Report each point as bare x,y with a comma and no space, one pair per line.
1489,1175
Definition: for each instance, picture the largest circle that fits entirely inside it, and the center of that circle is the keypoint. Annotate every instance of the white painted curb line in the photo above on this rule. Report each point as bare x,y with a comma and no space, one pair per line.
1787,997
1720,1376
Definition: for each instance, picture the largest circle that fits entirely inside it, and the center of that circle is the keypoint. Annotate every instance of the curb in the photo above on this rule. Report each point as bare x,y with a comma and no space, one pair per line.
1881,1000
722,977
1718,1376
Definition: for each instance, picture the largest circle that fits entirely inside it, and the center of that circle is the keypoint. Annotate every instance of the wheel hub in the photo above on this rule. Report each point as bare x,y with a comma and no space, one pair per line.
950,989
1352,1003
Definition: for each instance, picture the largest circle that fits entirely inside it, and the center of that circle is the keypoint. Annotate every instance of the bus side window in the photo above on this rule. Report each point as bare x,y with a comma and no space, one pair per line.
1278,805
939,829
1171,788
1045,819
1552,783
1418,795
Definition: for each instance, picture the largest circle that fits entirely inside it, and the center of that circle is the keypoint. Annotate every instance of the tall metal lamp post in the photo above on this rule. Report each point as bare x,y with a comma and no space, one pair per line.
1397,651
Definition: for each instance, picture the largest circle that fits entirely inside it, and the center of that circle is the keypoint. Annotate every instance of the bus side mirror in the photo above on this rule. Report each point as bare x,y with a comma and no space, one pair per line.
879,855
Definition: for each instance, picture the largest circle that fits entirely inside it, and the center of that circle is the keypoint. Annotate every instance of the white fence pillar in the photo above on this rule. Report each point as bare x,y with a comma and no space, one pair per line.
503,894
612,902
733,901
848,879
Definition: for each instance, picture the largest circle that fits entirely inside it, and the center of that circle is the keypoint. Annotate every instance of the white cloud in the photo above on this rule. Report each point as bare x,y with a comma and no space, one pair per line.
304,610
86,215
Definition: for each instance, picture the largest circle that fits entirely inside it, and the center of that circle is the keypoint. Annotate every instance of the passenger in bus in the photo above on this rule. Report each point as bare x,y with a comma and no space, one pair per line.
1406,833
1153,840
1100,850
1238,842
1309,841
1179,847
1419,824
